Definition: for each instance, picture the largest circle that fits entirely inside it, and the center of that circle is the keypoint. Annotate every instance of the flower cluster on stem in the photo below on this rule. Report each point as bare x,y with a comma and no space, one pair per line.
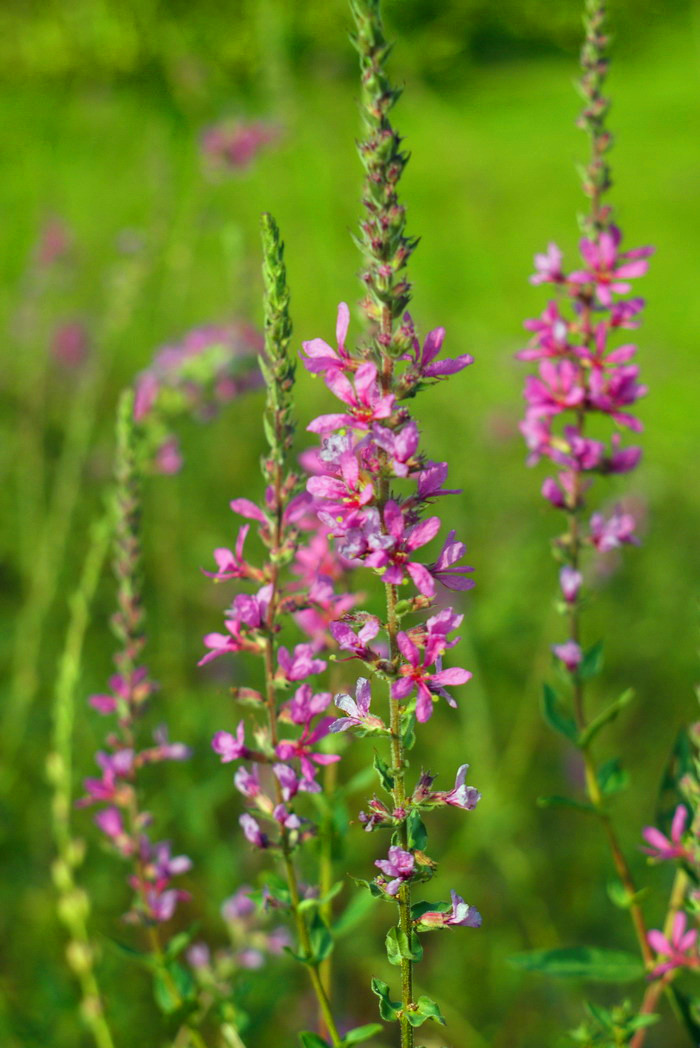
373,487
579,405
116,792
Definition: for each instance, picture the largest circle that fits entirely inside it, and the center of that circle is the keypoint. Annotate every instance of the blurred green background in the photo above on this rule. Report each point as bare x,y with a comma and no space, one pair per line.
102,105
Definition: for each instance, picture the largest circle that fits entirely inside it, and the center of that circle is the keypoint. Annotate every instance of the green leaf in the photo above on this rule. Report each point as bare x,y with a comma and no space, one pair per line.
688,1009
172,986
592,662
165,994
178,942
408,730
419,908
362,1033
373,888
388,1009
612,777
417,833
605,717
382,769
399,947
425,1009
565,802
603,1016
312,1040
618,895
321,939
555,716
582,962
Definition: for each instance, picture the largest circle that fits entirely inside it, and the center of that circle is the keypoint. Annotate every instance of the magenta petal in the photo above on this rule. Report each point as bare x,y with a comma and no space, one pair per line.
658,941
248,509
342,324
401,688
424,704
422,578
433,344
452,676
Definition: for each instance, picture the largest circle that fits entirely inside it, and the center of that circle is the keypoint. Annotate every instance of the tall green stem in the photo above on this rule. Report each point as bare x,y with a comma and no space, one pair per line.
73,903
278,370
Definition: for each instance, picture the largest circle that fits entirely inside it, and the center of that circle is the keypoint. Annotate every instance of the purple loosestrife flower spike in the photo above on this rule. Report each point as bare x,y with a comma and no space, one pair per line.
583,377
122,818
365,447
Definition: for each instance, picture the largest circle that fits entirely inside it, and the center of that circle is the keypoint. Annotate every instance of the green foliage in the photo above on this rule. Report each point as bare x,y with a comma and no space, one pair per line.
592,662
184,44
612,777
399,946
425,1009
490,182
173,989
555,716
388,1009
417,833
606,717
321,939
610,1027
312,1040
361,1033
386,779
687,1007
582,962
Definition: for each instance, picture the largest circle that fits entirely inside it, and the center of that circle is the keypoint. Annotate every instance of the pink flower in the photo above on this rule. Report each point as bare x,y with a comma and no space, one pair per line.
609,270
458,915
230,565
247,782
299,664
345,495
559,387
399,866
461,795
609,534
414,673
300,748
570,654
446,570
230,747
232,147
679,952
548,267
305,704
664,848
424,359
110,822
393,557
551,335
570,582
366,401
321,357
70,344
252,831
357,643
356,710
290,783
400,446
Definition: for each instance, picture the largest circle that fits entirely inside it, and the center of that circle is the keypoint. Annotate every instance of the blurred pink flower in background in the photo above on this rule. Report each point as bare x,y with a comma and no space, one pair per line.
231,146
